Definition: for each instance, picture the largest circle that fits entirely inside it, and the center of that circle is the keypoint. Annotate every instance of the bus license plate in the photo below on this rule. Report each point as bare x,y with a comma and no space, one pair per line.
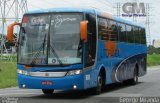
46,83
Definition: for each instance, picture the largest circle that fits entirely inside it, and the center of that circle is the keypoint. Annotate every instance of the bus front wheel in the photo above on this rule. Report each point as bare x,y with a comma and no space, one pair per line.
48,91
97,90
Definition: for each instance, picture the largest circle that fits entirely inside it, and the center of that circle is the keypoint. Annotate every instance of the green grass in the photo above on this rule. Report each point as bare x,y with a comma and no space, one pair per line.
153,60
11,57
8,74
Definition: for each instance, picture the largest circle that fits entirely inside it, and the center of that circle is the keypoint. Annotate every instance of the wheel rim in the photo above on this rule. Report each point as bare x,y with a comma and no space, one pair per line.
135,77
99,83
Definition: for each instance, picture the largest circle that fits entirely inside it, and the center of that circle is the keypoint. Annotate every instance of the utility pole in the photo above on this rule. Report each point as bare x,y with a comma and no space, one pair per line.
10,11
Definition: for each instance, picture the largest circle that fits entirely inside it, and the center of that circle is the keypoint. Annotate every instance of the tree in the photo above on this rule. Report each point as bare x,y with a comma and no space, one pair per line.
152,49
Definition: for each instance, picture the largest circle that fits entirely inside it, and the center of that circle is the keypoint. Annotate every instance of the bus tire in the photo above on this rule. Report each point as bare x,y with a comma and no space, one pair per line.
97,90
134,80
48,91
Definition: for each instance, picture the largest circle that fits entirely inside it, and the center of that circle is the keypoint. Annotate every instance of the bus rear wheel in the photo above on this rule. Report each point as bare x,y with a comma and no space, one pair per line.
48,91
134,80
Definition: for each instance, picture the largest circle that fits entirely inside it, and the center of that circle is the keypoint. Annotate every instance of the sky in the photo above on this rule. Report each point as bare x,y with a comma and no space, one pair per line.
105,5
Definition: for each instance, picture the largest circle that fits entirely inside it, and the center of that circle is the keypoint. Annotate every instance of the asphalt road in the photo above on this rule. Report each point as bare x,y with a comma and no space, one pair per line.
148,86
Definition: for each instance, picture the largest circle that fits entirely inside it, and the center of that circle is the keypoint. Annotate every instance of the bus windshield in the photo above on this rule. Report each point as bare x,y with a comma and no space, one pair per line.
52,39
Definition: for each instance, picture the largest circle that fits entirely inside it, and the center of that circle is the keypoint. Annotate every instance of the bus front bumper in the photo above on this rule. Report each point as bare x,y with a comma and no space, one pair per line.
63,83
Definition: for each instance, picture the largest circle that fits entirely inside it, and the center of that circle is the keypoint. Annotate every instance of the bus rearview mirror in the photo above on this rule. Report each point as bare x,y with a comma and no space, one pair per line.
10,30
83,30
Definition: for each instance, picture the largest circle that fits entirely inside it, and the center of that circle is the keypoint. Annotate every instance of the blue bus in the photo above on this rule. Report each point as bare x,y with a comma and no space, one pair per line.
77,49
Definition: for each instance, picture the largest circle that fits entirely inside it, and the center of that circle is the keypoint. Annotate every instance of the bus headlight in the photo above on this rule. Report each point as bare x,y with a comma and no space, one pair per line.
24,72
20,71
74,72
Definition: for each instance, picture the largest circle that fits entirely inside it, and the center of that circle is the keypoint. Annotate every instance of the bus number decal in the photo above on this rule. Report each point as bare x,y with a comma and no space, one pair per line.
87,77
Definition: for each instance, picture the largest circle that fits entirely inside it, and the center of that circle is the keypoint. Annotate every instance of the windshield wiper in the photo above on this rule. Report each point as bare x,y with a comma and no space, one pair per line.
44,41
43,47
39,50
54,52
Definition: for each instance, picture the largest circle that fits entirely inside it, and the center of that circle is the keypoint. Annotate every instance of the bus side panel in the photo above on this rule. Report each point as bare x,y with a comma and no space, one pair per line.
105,62
131,55
121,66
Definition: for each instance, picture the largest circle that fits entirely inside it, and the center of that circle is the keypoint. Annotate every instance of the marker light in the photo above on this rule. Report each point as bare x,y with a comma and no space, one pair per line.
23,85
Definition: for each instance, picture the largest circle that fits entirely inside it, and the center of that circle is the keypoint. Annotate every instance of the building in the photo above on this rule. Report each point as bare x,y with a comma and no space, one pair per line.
156,43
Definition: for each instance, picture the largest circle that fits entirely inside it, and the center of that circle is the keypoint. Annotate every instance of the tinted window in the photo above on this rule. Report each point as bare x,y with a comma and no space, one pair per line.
143,36
122,32
102,27
112,31
129,32
107,29
136,34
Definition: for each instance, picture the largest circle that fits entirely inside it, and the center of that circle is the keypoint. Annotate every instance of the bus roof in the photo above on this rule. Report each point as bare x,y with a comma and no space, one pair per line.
87,10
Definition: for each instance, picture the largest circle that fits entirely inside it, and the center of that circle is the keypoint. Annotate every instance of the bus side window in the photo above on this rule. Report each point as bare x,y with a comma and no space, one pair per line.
112,31
107,30
139,36
130,36
142,34
122,32
136,34
102,27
